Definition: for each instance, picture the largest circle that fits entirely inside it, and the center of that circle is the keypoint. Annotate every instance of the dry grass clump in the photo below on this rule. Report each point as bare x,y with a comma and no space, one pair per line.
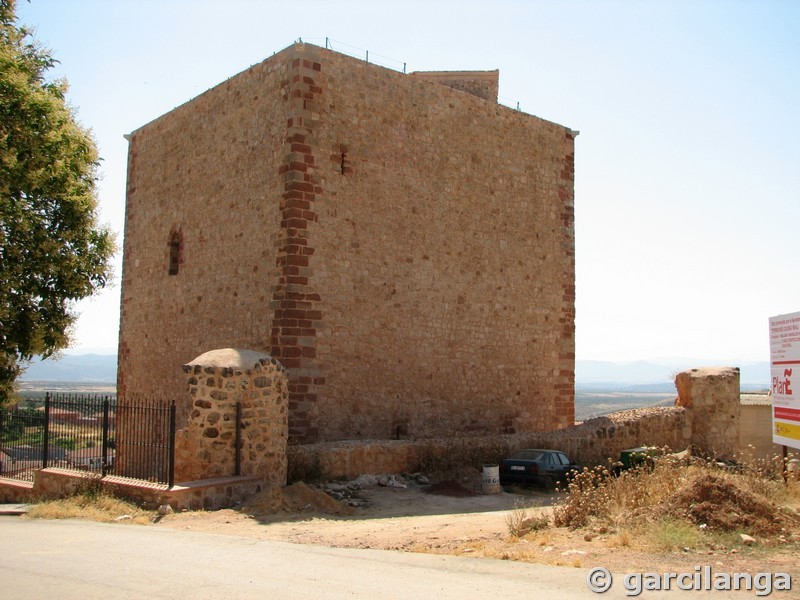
91,502
668,534
677,504
521,520
764,476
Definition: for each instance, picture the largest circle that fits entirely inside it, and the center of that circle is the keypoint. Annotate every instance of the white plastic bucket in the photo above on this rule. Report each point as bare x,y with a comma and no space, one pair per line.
491,479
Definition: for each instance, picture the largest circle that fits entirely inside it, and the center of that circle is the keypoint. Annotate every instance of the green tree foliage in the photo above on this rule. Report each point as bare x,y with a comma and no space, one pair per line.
52,251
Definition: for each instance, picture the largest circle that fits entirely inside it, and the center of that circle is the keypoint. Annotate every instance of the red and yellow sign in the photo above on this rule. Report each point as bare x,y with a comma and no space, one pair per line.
784,338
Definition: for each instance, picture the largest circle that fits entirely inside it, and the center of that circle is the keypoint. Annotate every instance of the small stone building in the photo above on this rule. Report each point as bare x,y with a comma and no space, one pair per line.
756,432
401,243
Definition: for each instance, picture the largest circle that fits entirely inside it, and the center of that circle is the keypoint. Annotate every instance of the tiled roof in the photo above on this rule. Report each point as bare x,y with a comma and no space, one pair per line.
755,399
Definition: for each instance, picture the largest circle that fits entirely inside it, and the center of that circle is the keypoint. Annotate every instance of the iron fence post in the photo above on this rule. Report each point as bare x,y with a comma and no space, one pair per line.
46,434
238,455
105,436
171,474
2,433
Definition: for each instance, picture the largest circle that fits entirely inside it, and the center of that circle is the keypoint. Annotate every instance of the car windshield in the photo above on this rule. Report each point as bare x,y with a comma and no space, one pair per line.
527,455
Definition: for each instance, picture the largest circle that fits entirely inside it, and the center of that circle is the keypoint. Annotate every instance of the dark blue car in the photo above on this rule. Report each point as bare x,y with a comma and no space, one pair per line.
536,466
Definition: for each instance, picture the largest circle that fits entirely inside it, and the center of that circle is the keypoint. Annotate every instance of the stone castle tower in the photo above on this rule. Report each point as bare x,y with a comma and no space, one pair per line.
402,244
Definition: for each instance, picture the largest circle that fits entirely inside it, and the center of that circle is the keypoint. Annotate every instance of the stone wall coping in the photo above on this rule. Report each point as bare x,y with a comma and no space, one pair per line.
230,358
116,480
634,414
711,372
489,75
16,483
214,481
134,483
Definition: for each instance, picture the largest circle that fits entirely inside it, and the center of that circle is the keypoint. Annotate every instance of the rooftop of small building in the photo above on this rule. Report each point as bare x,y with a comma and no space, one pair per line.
755,399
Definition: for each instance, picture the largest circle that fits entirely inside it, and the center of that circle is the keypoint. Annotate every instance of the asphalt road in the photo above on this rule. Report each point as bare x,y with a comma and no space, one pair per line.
64,560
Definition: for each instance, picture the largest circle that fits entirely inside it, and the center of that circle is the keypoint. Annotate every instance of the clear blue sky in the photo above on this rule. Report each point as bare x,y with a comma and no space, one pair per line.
687,165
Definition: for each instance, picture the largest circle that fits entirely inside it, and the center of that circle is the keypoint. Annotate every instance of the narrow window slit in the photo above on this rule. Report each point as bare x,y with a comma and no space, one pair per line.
174,253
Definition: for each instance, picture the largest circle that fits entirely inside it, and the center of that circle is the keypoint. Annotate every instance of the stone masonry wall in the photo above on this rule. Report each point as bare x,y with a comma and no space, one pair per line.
206,173
443,259
206,446
405,250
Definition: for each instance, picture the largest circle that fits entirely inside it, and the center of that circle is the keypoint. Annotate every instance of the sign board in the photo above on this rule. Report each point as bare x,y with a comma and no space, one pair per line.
784,350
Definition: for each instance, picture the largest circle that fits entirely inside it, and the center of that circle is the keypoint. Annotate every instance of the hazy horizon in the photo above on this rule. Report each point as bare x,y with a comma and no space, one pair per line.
105,351
601,373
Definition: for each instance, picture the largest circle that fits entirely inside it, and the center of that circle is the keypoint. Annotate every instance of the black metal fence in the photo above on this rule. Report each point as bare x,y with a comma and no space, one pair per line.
91,433
145,440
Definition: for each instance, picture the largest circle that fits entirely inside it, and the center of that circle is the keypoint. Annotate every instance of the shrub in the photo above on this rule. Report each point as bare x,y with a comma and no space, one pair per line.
520,521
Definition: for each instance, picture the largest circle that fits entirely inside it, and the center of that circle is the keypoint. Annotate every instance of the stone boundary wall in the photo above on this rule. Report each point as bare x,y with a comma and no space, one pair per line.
590,443
209,494
13,491
707,419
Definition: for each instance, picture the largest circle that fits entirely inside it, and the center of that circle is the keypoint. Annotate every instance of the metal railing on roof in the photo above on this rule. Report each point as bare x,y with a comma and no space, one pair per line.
383,61
360,53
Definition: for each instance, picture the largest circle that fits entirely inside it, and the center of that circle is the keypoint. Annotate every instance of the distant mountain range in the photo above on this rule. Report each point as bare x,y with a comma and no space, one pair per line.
658,376
639,376
100,368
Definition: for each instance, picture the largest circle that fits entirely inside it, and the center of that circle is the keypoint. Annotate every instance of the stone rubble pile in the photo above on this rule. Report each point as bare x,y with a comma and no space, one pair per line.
350,492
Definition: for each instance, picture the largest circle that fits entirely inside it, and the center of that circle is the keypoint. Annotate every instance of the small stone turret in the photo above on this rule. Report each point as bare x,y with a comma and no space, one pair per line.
712,396
206,446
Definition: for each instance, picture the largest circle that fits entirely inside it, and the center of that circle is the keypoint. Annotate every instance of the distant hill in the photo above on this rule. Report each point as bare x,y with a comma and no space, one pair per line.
100,368
638,376
652,376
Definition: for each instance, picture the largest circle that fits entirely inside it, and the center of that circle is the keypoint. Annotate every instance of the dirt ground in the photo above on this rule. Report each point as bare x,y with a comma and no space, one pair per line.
452,519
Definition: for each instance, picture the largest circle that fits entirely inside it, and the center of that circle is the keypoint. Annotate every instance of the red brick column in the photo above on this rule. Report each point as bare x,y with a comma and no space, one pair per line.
565,388
296,317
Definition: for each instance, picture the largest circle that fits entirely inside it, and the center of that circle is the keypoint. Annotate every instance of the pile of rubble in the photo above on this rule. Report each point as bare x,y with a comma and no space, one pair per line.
349,492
